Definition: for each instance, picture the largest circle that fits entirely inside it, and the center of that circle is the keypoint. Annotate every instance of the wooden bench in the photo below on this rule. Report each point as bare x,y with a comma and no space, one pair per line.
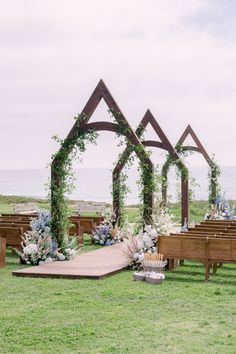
2,252
12,236
80,223
95,207
25,208
207,250
87,222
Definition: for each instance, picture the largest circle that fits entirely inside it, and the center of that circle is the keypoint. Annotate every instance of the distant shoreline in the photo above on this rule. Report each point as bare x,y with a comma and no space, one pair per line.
95,183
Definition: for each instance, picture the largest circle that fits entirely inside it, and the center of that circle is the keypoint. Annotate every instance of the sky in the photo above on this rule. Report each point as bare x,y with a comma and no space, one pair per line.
175,57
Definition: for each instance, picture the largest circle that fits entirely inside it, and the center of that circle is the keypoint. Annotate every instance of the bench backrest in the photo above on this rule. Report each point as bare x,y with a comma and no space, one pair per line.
197,248
207,232
96,219
218,226
97,207
228,235
7,215
219,222
25,227
12,235
25,208
87,224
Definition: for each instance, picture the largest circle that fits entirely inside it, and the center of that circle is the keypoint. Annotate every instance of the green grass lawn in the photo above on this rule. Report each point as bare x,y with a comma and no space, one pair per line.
117,315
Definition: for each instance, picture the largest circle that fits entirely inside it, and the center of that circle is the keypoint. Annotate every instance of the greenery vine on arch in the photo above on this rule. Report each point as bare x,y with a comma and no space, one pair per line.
62,178
146,181
214,173
81,133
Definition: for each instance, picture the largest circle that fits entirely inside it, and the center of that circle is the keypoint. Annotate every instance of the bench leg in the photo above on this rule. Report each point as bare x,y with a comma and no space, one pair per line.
220,265
181,262
170,264
214,268
207,270
80,240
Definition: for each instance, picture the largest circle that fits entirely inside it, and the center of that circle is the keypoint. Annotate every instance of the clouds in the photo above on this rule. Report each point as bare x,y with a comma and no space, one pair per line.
176,57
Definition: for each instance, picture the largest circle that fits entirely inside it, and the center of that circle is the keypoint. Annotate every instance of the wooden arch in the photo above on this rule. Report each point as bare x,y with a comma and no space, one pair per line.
198,148
101,91
164,144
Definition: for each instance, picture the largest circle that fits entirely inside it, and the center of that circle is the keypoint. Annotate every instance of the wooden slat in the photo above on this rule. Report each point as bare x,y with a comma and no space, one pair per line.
93,265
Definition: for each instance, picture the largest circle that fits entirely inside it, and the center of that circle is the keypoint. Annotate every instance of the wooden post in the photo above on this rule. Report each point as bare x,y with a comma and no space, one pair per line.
2,252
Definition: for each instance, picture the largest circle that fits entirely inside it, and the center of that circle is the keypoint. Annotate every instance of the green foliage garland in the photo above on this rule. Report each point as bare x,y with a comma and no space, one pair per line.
62,178
214,173
146,181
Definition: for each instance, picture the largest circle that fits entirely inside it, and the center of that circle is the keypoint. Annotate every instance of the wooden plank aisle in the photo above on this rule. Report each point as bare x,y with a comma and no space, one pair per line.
96,264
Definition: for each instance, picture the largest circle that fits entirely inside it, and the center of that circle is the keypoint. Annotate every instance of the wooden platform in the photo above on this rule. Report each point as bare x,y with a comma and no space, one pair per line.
96,264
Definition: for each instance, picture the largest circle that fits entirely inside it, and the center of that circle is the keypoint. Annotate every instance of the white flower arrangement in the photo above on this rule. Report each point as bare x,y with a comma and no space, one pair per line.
36,247
136,246
163,222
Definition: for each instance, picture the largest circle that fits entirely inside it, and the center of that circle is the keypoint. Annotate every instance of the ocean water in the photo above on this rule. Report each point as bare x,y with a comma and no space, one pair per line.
95,184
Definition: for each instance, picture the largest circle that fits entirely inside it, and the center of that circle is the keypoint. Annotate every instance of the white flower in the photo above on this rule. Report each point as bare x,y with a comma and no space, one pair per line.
148,228
140,244
70,252
60,256
30,249
141,257
153,233
136,256
147,241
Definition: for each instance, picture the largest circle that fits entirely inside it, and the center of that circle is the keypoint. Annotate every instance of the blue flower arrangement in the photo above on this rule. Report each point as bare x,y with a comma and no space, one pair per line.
42,223
103,234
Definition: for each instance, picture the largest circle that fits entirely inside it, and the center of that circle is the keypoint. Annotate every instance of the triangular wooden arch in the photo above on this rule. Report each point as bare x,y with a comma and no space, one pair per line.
199,147
164,142
101,91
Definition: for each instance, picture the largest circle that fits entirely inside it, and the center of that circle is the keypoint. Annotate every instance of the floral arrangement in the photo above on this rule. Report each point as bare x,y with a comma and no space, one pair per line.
39,247
163,222
42,223
135,246
220,211
104,233
107,233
